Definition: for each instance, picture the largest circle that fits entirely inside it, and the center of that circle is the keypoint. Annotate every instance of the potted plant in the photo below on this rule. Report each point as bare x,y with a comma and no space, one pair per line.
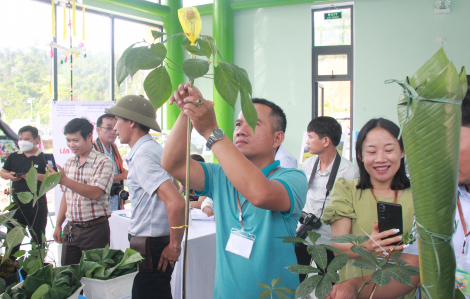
108,273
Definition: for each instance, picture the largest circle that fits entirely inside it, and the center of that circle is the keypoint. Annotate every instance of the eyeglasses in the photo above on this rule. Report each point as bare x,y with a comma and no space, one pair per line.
107,128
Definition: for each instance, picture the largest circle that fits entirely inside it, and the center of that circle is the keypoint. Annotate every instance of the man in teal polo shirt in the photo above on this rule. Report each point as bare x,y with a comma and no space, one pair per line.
255,200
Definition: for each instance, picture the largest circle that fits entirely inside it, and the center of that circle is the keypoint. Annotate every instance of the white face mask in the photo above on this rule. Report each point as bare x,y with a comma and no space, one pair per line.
25,145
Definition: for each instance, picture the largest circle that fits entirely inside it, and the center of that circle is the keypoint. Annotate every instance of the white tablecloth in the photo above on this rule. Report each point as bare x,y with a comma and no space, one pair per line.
201,254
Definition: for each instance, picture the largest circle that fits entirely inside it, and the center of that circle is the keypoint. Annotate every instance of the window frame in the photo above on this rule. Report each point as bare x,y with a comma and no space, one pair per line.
112,73
333,50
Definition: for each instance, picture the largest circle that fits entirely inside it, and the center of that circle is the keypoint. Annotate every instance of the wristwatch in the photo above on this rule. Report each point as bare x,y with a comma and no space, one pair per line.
217,134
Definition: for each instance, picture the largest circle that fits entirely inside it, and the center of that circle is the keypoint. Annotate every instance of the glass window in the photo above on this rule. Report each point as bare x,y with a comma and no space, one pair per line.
89,76
330,31
25,74
332,65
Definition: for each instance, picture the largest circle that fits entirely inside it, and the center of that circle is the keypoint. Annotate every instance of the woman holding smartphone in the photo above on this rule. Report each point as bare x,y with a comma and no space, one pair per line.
353,204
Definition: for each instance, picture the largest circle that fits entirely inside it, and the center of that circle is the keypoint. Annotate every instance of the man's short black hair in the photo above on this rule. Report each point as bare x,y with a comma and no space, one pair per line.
99,121
278,116
466,110
81,125
326,126
197,157
31,129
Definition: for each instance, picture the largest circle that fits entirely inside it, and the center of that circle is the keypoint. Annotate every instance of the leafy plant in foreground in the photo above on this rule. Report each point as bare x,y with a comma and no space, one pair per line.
323,276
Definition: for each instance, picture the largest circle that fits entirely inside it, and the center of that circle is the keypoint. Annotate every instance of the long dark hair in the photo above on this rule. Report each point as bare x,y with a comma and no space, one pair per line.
400,180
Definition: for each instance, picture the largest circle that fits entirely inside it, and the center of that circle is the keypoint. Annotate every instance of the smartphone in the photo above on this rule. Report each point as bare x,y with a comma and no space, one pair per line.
20,174
390,217
50,160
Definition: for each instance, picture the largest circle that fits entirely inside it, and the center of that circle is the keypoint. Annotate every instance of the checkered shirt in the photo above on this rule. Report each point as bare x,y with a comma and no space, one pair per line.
97,170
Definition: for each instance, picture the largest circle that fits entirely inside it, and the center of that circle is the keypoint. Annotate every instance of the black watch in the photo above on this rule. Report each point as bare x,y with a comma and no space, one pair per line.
217,134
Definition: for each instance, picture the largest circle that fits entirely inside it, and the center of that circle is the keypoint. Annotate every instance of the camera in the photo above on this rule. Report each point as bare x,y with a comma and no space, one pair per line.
309,222
124,195
115,189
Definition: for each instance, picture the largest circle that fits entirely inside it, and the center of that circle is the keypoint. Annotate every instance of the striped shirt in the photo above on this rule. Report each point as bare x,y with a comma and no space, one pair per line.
149,217
97,170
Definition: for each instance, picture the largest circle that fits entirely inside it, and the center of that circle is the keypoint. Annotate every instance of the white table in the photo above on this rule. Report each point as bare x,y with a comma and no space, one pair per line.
201,254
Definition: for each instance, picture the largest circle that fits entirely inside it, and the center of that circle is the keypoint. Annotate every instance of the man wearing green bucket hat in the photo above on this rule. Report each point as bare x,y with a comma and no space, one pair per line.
157,207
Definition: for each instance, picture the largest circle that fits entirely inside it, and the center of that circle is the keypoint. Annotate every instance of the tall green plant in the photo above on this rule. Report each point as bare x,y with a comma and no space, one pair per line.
230,80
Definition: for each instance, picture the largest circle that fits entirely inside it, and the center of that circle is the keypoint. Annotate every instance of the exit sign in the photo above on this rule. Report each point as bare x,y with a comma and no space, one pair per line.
332,15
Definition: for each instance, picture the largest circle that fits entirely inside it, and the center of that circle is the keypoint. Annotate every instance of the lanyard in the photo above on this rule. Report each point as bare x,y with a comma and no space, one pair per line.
464,225
396,195
240,206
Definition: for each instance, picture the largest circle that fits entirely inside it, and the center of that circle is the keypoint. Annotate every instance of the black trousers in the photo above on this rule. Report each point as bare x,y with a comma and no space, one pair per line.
36,223
155,284
304,258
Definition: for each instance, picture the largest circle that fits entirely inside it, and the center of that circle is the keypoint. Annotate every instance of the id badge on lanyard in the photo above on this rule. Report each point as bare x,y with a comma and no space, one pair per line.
240,242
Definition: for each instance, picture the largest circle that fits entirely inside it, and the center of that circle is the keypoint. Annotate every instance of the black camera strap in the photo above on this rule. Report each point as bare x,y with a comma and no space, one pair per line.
331,179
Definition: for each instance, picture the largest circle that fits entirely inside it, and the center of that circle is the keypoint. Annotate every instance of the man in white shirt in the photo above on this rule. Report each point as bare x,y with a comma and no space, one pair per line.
324,134
348,289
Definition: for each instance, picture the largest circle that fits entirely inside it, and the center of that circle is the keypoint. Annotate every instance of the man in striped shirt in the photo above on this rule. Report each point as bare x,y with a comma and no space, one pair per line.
86,181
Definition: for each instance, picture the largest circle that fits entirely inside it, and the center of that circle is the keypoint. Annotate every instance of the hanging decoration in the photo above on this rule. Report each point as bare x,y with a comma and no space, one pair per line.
69,27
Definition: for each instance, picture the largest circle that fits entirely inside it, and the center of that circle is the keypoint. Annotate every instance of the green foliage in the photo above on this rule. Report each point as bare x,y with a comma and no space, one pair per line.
321,281
48,283
270,289
108,263
35,257
229,79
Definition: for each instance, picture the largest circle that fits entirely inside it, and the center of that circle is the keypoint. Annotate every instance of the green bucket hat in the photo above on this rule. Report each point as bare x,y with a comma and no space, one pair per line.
138,109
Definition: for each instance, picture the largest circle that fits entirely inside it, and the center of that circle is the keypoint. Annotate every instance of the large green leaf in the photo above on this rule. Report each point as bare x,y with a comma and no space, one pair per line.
226,83
133,58
185,44
49,182
264,294
152,57
331,248
194,50
281,295
158,86
292,240
211,42
205,47
25,197
32,180
400,277
431,136
157,34
324,287
41,291
319,256
242,78
381,277
302,269
275,282
313,236
248,109
364,265
307,286
14,237
195,68
338,262
121,71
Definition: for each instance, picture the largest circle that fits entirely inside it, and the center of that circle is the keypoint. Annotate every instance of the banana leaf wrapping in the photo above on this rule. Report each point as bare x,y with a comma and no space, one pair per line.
430,115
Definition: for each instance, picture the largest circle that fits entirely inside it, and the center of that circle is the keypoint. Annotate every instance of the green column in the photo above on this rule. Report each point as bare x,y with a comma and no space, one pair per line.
175,53
222,29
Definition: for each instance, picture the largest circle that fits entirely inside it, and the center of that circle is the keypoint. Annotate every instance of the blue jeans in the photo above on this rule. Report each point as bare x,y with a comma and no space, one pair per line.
114,203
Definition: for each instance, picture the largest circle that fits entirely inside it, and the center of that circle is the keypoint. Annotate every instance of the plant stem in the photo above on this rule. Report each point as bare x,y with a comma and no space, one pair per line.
186,195
373,291
173,62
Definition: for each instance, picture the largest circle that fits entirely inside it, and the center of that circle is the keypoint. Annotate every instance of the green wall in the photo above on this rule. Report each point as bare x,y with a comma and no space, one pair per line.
393,39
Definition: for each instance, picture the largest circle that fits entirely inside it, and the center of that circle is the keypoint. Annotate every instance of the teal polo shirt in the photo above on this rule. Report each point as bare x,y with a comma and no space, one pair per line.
236,276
